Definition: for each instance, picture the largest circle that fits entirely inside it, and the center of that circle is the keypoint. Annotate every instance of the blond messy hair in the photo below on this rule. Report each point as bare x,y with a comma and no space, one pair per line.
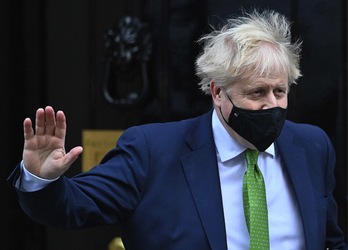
255,44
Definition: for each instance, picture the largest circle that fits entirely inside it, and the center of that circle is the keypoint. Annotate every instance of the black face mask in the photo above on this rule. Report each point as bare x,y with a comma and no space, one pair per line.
259,127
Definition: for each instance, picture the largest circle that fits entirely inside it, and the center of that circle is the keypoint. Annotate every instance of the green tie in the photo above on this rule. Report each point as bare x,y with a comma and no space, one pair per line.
255,205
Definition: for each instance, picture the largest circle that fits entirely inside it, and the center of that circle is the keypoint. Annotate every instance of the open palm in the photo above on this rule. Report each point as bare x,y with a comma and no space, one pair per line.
44,153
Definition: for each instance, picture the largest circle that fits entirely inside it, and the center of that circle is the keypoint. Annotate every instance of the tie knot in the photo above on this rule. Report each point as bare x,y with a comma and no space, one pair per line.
251,156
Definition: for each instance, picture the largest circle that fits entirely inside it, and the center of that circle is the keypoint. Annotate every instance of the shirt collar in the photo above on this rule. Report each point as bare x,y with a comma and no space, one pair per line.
228,148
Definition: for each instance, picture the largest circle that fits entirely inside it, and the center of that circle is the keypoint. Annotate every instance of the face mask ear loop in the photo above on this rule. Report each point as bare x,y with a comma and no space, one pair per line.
223,117
229,99
221,111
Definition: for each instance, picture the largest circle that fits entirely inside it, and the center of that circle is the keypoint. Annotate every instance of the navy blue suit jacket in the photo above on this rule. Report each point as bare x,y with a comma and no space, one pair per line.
161,184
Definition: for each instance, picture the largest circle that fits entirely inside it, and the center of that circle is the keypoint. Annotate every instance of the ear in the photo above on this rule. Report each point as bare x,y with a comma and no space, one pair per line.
216,93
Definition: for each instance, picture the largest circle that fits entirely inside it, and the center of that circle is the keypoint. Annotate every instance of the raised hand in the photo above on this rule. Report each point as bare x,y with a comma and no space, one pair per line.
44,153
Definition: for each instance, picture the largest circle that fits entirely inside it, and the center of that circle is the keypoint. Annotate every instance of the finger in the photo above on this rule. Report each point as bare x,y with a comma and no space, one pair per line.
72,155
50,121
75,152
40,122
63,164
60,131
28,129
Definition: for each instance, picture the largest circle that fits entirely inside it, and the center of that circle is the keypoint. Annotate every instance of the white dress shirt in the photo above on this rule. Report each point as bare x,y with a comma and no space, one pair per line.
285,226
27,182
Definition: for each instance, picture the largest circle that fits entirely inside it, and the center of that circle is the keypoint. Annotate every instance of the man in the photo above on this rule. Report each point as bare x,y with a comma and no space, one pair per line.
186,184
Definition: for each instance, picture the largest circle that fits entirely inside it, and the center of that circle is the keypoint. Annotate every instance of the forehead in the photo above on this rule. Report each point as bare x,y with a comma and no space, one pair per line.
280,80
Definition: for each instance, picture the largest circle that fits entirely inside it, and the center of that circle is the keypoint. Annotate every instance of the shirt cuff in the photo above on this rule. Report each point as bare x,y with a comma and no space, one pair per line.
28,182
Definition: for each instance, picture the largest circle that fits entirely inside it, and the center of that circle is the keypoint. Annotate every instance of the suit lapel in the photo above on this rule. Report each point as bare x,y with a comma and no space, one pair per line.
201,171
296,164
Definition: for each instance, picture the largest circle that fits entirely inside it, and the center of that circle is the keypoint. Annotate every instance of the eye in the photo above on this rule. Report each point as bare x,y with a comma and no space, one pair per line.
258,92
280,92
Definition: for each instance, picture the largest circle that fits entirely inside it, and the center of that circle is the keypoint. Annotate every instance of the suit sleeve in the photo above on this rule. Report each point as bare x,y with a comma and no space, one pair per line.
334,235
107,194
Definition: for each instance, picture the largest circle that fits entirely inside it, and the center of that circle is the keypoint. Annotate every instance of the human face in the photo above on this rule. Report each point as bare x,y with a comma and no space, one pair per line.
253,94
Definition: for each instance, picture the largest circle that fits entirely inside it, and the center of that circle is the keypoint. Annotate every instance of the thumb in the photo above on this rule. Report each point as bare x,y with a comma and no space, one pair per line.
58,167
72,155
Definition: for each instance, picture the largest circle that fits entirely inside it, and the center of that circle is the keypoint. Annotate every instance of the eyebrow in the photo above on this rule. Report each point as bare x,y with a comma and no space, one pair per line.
262,83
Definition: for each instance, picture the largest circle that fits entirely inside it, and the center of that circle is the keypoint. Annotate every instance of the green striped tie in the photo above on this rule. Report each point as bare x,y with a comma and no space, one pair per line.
255,205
